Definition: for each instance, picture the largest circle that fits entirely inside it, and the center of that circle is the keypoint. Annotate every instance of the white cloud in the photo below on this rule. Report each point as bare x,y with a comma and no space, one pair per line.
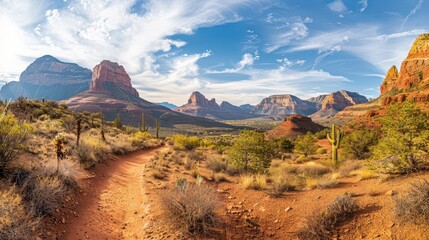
285,30
87,32
364,5
290,63
247,60
412,13
414,32
337,6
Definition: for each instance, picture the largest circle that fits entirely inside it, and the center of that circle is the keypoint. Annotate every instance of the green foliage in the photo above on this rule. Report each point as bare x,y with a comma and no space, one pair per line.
283,145
157,127
322,134
335,138
358,144
182,142
117,122
306,144
12,138
251,151
404,145
144,127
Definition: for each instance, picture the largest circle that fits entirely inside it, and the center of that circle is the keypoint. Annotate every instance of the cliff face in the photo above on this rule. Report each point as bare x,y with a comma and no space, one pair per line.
111,92
50,78
414,72
390,80
198,105
108,74
284,105
293,126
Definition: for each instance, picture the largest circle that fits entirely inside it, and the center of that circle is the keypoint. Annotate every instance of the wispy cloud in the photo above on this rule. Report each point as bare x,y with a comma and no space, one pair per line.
412,13
247,60
364,5
337,6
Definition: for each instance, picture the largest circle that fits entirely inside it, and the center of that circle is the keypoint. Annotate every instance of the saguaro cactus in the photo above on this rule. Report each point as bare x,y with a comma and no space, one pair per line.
157,126
335,138
144,127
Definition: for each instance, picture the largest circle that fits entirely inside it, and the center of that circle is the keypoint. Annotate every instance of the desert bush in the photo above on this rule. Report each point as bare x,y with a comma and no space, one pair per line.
413,204
232,170
138,138
404,146
256,182
44,192
157,173
191,206
319,224
216,163
189,164
15,222
312,169
84,155
306,144
358,144
321,183
182,142
321,151
280,184
251,152
12,138
349,166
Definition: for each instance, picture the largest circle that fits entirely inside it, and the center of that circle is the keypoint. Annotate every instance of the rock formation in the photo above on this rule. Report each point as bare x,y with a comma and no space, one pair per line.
198,105
293,126
284,105
111,92
50,78
390,80
108,74
411,83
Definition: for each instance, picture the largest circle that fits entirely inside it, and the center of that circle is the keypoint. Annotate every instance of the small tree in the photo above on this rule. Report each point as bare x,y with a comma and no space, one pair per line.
12,137
251,151
117,122
358,144
306,144
405,139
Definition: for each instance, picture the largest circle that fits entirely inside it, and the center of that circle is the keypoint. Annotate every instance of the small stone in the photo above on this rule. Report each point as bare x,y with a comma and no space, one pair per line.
392,225
37,238
276,221
63,220
318,197
288,209
390,193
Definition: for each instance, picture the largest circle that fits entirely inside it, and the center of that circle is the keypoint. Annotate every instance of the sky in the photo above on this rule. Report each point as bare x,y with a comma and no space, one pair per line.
239,51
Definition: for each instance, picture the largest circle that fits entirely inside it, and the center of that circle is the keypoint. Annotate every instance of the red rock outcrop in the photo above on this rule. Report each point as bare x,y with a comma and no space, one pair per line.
284,105
198,105
108,74
414,72
390,80
293,126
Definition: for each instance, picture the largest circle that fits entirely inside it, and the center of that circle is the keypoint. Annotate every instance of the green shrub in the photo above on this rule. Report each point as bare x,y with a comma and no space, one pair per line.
182,142
306,144
12,138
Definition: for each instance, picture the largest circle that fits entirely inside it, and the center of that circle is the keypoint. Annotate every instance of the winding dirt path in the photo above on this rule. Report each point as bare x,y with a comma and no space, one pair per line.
113,204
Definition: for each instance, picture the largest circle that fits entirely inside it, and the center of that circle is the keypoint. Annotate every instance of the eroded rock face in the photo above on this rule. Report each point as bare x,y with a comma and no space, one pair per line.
49,78
198,105
342,99
284,105
47,70
414,72
293,126
108,74
390,80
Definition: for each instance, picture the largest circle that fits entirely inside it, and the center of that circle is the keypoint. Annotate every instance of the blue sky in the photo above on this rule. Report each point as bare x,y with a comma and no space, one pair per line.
237,50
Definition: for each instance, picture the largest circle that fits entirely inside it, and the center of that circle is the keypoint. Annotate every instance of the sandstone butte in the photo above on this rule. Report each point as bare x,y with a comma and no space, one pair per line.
410,83
293,126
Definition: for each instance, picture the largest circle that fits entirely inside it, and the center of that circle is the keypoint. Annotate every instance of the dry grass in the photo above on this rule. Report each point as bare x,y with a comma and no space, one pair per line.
191,207
256,182
349,166
216,163
364,174
282,182
320,224
158,174
413,205
312,169
44,192
15,222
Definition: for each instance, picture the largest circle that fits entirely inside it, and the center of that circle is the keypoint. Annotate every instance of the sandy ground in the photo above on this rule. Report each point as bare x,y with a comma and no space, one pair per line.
114,203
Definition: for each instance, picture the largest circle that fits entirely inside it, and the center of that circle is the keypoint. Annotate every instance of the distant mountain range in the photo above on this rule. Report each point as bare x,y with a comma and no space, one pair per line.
167,105
319,108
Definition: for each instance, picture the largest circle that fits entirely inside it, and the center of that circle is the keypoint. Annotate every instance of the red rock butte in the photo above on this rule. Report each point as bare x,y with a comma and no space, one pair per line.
111,73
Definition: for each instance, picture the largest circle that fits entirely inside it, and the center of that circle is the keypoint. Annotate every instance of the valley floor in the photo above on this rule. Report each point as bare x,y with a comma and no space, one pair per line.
121,202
